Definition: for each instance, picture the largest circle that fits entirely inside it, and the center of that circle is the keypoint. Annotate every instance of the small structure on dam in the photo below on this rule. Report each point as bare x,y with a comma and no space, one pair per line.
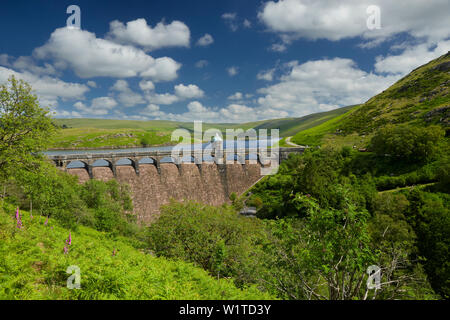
155,177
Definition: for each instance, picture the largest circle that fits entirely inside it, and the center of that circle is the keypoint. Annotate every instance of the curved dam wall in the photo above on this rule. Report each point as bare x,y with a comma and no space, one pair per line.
208,183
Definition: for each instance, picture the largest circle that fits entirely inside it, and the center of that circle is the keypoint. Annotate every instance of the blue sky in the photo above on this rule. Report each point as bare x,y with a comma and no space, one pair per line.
228,61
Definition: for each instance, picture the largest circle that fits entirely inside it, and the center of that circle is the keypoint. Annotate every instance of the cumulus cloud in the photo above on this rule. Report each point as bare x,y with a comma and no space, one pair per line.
92,84
237,96
322,85
48,89
126,96
206,40
162,98
181,92
89,56
201,64
336,20
411,58
232,71
230,19
137,32
188,92
146,85
266,75
100,106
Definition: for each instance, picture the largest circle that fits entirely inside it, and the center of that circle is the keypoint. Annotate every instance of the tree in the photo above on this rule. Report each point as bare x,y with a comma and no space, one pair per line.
406,142
25,127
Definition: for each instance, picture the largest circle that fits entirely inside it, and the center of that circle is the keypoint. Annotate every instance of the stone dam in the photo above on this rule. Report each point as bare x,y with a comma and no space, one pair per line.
156,177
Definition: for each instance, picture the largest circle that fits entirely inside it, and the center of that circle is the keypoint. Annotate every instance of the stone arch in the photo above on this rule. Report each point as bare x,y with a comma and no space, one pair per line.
150,160
109,164
73,164
173,160
127,161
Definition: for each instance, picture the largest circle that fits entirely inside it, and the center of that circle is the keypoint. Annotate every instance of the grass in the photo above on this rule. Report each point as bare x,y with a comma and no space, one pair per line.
94,138
96,133
313,136
407,101
33,266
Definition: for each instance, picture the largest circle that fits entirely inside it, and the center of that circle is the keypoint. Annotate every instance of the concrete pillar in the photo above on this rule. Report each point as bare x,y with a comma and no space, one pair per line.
158,164
135,163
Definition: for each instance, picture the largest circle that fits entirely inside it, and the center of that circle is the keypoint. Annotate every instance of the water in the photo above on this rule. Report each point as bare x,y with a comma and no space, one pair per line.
101,163
226,145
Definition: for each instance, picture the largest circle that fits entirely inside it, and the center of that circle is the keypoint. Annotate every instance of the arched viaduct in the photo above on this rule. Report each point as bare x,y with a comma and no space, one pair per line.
156,177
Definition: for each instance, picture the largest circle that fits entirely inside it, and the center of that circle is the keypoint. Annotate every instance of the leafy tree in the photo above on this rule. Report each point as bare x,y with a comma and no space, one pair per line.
214,238
25,127
413,144
324,256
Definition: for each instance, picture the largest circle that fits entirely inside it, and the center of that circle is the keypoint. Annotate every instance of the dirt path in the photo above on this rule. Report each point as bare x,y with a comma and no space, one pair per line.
288,141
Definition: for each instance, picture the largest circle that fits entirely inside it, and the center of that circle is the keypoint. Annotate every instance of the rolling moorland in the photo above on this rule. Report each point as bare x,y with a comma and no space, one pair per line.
321,221
103,133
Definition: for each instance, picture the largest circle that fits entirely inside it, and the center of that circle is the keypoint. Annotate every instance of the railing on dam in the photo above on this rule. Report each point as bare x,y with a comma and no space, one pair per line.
222,157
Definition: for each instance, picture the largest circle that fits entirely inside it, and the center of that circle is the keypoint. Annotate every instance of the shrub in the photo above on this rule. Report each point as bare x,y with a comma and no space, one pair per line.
412,144
214,238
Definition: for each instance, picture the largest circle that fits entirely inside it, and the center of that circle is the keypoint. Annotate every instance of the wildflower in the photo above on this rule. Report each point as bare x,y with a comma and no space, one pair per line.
18,219
46,221
70,238
66,250
114,252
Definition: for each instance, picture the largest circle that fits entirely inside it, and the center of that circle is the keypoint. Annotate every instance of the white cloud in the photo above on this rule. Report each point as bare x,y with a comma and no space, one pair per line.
278,47
152,110
322,85
232,71
206,40
99,106
164,98
48,89
181,92
89,56
104,102
188,92
411,58
201,64
236,96
266,75
137,32
336,20
126,96
92,84
231,20
146,85
247,23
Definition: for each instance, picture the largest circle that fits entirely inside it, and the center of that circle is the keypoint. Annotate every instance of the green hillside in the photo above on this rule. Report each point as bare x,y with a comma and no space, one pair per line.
95,133
33,266
420,99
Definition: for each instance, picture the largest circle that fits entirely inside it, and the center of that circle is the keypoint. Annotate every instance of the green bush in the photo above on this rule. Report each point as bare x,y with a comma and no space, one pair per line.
214,238
412,144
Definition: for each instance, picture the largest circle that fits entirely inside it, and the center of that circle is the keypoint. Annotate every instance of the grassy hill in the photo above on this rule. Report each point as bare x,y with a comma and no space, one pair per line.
420,99
33,266
95,133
